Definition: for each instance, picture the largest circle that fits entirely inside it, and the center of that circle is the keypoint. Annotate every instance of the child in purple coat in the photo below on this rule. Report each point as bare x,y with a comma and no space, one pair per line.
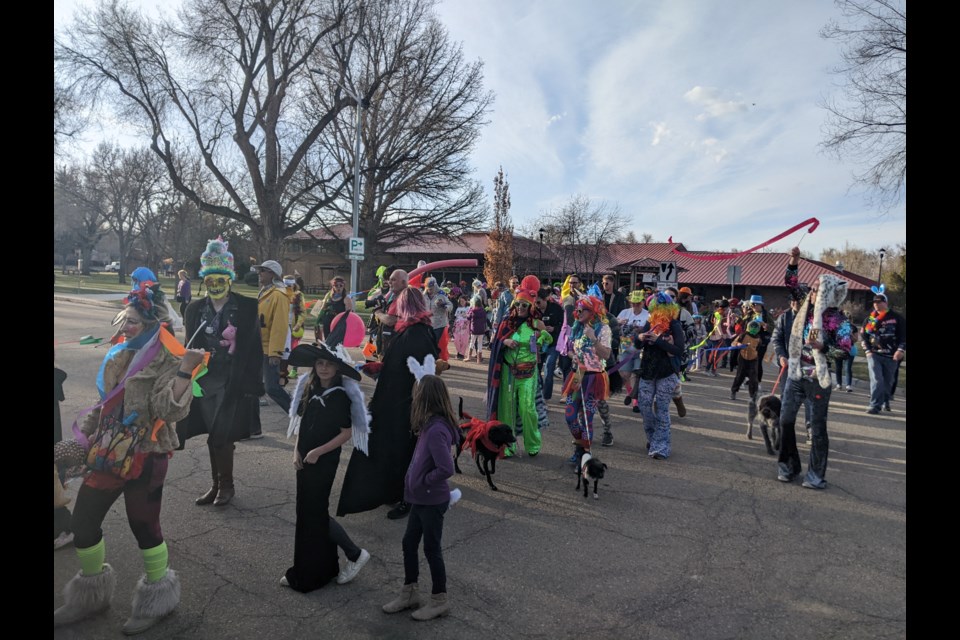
478,328
426,490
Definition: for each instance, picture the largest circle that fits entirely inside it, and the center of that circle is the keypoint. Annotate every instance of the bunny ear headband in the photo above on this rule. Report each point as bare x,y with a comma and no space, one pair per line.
878,290
428,368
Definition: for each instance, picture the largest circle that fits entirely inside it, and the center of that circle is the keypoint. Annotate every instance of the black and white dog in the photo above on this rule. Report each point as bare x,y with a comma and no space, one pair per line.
589,468
768,409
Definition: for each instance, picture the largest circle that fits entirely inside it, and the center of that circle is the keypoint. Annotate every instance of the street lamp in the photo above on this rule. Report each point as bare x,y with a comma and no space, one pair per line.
880,270
361,104
540,259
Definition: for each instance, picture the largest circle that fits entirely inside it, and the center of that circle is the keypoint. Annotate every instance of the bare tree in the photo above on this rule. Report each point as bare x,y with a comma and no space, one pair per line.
579,232
230,80
498,259
869,124
76,227
118,188
417,132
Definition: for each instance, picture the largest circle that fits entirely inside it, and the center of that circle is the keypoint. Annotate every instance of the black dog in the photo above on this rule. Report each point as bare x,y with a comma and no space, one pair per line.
589,468
487,440
769,411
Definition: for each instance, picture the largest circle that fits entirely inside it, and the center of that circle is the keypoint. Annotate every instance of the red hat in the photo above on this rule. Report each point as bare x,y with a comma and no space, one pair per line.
734,302
527,291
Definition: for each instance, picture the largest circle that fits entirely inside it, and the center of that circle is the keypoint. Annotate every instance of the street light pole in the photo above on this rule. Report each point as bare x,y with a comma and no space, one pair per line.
540,259
361,104
880,270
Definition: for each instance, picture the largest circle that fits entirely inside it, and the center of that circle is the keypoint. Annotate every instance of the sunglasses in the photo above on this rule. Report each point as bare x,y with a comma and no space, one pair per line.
523,305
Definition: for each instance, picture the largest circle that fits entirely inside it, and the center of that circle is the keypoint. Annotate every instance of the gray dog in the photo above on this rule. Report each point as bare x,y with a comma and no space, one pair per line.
768,409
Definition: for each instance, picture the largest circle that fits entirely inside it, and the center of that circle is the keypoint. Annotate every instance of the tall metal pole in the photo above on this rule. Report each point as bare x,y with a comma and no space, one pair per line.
540,259
354,283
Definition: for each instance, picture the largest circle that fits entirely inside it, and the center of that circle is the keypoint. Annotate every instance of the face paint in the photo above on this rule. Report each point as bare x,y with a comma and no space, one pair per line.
217,286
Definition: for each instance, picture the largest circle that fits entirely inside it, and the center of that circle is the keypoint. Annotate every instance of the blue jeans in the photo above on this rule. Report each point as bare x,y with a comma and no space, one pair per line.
271,381
848,365
807,407
796,392
551,355
882,370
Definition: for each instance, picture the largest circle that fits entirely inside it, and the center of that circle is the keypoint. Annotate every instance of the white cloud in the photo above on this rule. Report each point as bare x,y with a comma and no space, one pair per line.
660,131
709,99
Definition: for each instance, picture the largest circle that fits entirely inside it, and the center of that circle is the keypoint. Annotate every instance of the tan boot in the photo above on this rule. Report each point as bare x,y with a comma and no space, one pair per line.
409,598
211,495
438,606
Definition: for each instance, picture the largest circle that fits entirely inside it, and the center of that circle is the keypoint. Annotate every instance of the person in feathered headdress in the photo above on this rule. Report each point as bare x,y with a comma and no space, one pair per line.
590,340
820,334
227,327
662,345
513,372
128,437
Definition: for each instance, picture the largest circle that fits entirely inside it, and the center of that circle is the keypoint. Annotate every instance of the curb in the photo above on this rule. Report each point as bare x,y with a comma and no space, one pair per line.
84,300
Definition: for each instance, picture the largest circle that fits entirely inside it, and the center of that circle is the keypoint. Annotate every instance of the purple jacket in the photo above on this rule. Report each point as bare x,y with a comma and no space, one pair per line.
432,464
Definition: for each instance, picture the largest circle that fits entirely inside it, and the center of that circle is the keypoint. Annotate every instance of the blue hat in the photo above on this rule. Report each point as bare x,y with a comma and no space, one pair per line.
756,299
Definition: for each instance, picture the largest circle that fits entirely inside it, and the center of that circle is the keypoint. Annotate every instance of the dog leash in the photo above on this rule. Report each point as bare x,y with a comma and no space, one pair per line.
777,383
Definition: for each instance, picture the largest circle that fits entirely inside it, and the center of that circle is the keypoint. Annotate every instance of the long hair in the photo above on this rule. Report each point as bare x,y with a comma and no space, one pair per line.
410,304
430,398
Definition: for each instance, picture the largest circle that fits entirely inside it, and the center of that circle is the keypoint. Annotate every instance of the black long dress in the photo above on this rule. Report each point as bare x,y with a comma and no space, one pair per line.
315,560
377,479
229,409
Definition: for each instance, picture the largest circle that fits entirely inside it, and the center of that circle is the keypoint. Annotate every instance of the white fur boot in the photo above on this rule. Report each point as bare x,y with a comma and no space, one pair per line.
85,596
152,601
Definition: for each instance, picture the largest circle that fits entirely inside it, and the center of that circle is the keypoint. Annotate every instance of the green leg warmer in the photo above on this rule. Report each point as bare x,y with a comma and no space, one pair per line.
91,558
155,562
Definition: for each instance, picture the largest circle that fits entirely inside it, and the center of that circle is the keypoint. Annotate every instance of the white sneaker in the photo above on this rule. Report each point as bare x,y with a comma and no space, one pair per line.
62,540
353,568
284,582
455,496
263,402
849,388
837,387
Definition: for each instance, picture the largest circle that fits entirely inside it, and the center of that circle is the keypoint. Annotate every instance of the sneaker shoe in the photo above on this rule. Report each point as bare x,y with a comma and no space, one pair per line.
558,374
62,540
733,395
873,411
263,402
806,484
255,436
607,440
353,568
658,456
284,582
886,406
455,496
849,389
627,400
784,478
837,387
636,409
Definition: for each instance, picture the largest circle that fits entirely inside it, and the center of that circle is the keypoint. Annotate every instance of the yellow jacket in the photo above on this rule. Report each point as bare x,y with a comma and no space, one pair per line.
273,305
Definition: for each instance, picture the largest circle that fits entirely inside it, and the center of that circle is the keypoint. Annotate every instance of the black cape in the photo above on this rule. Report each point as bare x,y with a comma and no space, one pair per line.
377,479
238,413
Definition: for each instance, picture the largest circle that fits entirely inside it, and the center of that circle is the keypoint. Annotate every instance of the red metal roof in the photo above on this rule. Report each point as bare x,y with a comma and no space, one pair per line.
757,269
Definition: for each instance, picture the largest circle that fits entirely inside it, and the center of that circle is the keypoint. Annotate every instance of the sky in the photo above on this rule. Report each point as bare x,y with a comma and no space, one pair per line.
700,119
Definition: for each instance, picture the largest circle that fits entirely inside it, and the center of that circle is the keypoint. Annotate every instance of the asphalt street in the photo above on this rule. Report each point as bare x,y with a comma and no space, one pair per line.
707,544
